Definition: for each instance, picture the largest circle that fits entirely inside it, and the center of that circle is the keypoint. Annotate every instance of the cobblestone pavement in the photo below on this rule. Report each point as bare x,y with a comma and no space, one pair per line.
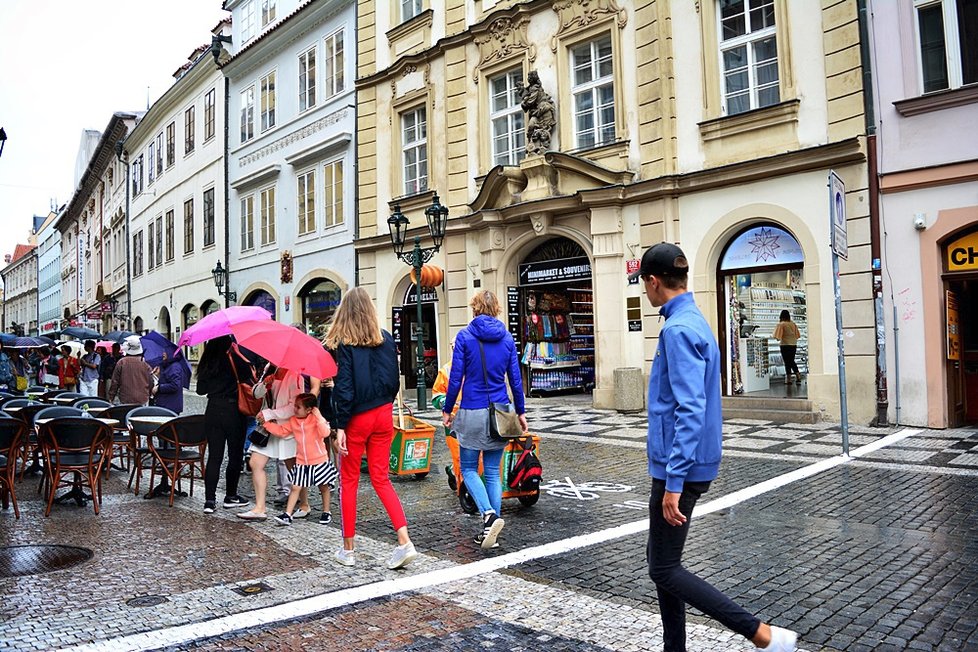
877,553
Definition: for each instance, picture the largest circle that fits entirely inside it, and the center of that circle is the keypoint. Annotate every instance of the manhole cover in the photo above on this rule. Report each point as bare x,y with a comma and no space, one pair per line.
17,561
146,601
252,589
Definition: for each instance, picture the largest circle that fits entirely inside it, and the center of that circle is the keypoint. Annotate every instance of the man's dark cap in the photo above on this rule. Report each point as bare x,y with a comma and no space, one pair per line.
663,259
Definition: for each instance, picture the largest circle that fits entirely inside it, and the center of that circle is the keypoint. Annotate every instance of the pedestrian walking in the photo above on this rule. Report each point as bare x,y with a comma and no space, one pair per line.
88,378
169,390
50,368
69,368
684,448
313,467
132,378
106,368
221,365
7,379
280,389
364,388
787,335
484,357
21,370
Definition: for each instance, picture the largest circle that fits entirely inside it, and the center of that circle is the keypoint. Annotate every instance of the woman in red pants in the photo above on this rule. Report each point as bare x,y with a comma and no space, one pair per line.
364,389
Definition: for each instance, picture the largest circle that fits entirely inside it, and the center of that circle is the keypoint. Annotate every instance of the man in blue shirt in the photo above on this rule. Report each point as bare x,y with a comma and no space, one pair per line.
684,447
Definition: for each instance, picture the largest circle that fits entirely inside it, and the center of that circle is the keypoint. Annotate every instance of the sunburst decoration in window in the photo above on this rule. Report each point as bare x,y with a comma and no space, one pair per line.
764,245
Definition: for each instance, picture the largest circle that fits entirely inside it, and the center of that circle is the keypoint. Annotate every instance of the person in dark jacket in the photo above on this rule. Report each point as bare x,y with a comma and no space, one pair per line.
366,383
218,380
106,369
483,358
169,392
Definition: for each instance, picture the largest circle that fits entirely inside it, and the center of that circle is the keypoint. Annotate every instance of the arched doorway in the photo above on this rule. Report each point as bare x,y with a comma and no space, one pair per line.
188,317
320,298
404,329
137,325
163,324
262,299
960,256
208,307
552,314
760,274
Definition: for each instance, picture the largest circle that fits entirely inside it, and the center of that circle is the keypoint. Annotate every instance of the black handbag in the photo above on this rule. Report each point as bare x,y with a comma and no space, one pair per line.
504,423
259,437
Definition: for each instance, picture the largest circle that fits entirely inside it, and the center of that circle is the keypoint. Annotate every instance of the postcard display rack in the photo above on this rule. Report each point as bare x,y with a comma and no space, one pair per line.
558,330
761,352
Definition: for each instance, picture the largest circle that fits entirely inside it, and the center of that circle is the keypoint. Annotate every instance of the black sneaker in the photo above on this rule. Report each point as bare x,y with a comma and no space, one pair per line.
326,518
490,532
234,501
208,506
283,519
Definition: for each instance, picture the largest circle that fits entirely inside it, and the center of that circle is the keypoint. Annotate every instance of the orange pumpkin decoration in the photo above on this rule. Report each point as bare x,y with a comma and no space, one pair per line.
431,276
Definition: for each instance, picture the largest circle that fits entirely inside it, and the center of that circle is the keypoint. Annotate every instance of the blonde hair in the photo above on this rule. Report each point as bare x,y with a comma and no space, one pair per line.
355,322
484,302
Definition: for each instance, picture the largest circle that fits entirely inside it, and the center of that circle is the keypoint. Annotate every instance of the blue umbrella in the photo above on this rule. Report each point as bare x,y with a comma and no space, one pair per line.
24,343
154,348
81,333
117,336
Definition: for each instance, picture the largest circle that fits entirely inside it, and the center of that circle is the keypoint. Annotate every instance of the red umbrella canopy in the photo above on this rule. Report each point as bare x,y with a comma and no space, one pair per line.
285,347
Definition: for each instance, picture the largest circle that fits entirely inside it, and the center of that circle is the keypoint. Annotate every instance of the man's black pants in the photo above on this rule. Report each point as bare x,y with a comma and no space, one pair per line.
675,585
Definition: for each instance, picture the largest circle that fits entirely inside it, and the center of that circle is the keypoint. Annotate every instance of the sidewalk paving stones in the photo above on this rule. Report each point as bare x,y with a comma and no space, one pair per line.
879,553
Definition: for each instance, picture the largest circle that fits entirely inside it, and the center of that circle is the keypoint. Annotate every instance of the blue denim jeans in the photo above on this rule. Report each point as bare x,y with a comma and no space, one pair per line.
489,496
675,585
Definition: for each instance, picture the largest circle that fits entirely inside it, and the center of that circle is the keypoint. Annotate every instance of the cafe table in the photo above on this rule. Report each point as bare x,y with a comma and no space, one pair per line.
66,401
76,492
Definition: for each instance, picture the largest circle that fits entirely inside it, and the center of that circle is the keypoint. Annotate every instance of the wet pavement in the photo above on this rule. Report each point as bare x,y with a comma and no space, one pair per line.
876,553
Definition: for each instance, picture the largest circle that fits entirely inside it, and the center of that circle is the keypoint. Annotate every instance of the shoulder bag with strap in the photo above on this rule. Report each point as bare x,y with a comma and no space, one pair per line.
248,405
504,423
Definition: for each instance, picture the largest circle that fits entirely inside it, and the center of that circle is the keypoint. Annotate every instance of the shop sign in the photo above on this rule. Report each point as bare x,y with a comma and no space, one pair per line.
50,326
953,328
760,247
428,295
632,266
837,213
962,254
513,313
555,271
397,326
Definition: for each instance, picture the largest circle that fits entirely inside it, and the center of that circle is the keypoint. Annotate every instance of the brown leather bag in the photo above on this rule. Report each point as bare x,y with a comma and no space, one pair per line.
248,405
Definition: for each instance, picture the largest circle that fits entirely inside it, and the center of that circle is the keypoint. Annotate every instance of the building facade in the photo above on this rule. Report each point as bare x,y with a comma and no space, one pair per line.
177,226
49,275
94,268
927,101
291,161
20,291
723,145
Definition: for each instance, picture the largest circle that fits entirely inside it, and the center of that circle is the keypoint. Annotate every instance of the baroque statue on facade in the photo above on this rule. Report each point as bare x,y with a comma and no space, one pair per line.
540,114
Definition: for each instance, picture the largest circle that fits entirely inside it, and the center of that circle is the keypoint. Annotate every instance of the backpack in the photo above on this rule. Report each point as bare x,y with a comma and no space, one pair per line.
525,474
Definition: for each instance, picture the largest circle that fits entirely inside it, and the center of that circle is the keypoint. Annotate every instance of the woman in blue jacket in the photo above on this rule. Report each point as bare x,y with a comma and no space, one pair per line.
484,356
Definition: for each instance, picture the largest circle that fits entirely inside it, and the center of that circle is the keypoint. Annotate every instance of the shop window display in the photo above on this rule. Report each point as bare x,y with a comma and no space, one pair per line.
558,331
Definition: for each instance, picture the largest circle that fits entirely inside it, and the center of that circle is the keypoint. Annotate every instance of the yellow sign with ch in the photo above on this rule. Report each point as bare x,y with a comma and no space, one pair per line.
962,254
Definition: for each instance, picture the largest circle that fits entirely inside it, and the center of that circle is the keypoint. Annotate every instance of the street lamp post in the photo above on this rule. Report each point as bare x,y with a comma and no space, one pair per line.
437,218
221,281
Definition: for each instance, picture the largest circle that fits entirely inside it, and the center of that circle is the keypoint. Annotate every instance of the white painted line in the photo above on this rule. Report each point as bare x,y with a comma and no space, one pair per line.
345,597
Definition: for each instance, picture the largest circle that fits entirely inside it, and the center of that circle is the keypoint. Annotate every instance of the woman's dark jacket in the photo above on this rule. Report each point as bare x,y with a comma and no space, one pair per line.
220,382
169,394
366,378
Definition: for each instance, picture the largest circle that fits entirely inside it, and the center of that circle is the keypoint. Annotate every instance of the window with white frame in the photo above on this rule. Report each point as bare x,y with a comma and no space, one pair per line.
247,21
414,148
151,155
593,89
307,79
333,56
159,154
209,217
267,12
247,114
267,91
306,201
188,226
209,113
137,254
137,175
748,55
410,9
159,240
189,118
506,117
169,235
247,223
333,193
151,248
266,212
171,137
947,42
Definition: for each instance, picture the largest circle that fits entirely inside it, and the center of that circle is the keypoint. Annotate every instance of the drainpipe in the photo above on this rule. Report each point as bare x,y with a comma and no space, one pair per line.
227,194
882,399
123,157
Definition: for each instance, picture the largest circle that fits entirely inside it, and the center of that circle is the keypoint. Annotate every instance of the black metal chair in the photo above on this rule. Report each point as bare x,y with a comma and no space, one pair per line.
64,396
121,439
78,446
58,412
30,414
13,436
37,389
91,402
142,453
49,395
183,441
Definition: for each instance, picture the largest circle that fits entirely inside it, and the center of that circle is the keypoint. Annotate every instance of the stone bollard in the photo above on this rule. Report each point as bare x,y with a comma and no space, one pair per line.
629,389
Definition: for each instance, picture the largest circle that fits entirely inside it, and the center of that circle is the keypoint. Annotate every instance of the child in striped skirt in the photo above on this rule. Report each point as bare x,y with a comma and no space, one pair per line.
313,467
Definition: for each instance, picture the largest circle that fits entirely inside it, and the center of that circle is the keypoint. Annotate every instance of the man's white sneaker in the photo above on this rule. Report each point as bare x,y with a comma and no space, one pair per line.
402,556
346,557
782,640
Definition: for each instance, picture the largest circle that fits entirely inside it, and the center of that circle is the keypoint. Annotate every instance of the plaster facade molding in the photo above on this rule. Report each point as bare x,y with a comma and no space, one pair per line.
504,37
576,15
295,136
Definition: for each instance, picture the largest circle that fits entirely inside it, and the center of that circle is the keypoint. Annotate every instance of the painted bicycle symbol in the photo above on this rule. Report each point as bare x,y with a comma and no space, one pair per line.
567,488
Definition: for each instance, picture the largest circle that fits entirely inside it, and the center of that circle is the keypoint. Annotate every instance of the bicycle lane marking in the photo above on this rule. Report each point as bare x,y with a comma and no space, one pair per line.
181,634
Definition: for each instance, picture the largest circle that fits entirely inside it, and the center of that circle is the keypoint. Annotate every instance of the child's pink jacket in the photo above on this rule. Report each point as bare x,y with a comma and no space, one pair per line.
310,434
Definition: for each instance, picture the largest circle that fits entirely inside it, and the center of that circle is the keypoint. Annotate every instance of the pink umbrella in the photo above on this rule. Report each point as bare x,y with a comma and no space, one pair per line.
105,344
219,323
285,347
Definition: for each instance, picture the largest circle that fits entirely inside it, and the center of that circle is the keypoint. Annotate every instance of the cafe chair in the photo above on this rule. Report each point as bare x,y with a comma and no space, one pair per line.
47,396
13,434
78,447
30,445
181,445
30,414
121,441
66,395
91,402
143,459
37,389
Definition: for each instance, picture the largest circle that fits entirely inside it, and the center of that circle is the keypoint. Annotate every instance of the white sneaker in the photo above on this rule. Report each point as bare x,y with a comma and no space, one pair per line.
782,640
346,557
402,556
300,513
